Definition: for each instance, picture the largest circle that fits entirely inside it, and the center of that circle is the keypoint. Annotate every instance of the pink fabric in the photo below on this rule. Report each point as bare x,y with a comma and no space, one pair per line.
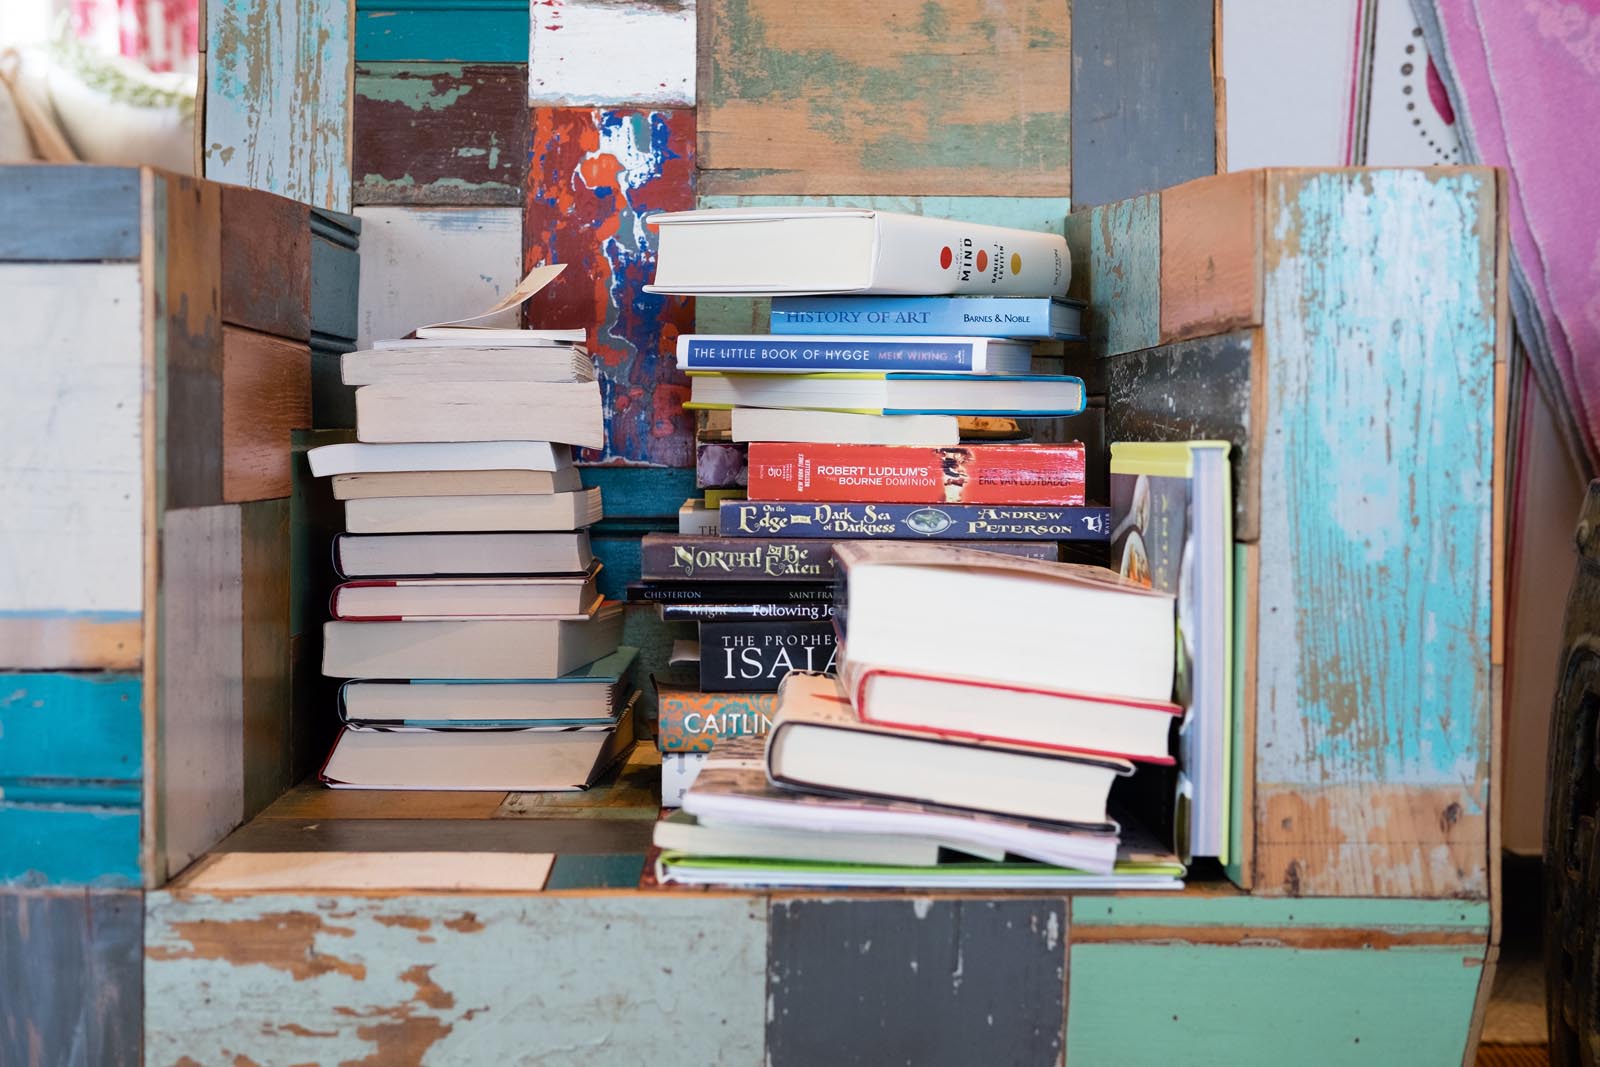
162,34
1527,80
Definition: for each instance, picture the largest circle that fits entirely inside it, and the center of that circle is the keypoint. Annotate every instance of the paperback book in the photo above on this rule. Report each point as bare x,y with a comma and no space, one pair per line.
890,474
766,354
689,720
1034,318
952,522
664,557
756,656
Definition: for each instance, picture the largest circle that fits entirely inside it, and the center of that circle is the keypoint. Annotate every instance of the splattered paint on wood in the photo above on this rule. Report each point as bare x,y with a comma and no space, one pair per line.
435,979
595,177
1373,649
277,98
612,52
949,96
441,133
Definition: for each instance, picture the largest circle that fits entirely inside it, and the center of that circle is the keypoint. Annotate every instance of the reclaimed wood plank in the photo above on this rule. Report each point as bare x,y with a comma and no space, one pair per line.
1211,241
423,872
1205,389
69,726
629,790
1116,267
266,697
556,835
277,98
266,396
266,263
72,593
445,134
959,96
441,31
1151,1003
187,264
612,53
62,213
75,838
312,801
1145,113
1121,917
335,294
198,777
1373,736
445,978
422,265
926,981
595,176
71,964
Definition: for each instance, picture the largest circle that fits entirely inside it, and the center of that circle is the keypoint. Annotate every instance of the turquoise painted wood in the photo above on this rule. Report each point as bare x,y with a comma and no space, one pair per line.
1201,1005
1372,651
278,98
445,979
1278,913
595,872
70,726
69,840
641,492
72,212
442,31
1116,267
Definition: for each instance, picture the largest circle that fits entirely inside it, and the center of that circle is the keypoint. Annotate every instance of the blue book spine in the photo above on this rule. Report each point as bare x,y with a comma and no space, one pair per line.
774,353
944,522
957,316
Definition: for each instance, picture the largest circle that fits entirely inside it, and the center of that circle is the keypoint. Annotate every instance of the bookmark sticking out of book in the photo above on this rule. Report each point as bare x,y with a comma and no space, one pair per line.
473,326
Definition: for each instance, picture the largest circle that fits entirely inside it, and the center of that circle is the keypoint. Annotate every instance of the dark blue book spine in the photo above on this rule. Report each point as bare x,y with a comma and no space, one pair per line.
943,522
811,355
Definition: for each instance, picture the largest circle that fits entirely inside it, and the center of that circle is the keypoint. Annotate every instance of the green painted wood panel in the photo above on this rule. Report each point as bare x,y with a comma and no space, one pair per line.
1116,267
1202,1005
1192,909
451,979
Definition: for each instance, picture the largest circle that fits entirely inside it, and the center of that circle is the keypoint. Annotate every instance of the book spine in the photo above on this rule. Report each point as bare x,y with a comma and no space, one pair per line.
914,522
755,656
814,611
958,316
696,522
982,474
812,354
719,466
688,721
663,557
727,592
922,255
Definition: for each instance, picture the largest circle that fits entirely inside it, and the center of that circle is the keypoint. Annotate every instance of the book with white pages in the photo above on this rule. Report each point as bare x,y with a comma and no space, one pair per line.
842,427
454,598
682,832
469,514
480,363
422,555
456,483
354,457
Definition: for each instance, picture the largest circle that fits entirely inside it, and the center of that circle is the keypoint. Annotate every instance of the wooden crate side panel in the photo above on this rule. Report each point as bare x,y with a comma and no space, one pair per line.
935,982
422,265
606,53
455,979
1373,648
71,472
1155,1004
441,133
70,963
74,839
1142,97
441,31
198,778
1129,917
277,98
595,176
267,706
266,396
187,266
1195,390
66,213
266,262
335,280
959,96
1211,241
1116,267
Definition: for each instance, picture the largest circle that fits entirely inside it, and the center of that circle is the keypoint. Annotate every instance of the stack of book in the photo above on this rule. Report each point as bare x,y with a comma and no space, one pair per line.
479,651
868,412
960,732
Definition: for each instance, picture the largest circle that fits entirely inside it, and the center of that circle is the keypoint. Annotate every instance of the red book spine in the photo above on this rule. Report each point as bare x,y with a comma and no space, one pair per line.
900,474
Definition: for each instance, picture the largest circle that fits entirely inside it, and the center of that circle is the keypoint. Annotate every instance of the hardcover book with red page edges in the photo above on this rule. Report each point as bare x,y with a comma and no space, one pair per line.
904,474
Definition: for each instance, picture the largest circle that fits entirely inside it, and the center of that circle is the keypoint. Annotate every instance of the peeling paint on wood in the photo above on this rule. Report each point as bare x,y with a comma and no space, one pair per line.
441,133
949,96
1116,267
609,53
441,31
1372,645
277,98
553,980
595,177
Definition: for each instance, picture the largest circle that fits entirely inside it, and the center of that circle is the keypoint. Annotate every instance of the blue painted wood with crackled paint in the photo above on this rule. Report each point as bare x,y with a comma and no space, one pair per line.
1116,267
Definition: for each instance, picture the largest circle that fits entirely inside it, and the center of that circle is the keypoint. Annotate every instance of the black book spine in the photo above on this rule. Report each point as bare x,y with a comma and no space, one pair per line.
753,657
813,611
728,592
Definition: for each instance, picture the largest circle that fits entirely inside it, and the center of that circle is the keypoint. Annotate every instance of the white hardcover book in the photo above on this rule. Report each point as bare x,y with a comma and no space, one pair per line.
358,458
791,251
473,514
569,412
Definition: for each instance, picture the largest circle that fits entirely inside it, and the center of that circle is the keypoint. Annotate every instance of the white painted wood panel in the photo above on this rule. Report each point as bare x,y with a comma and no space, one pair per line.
71,470
422,265
612,52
